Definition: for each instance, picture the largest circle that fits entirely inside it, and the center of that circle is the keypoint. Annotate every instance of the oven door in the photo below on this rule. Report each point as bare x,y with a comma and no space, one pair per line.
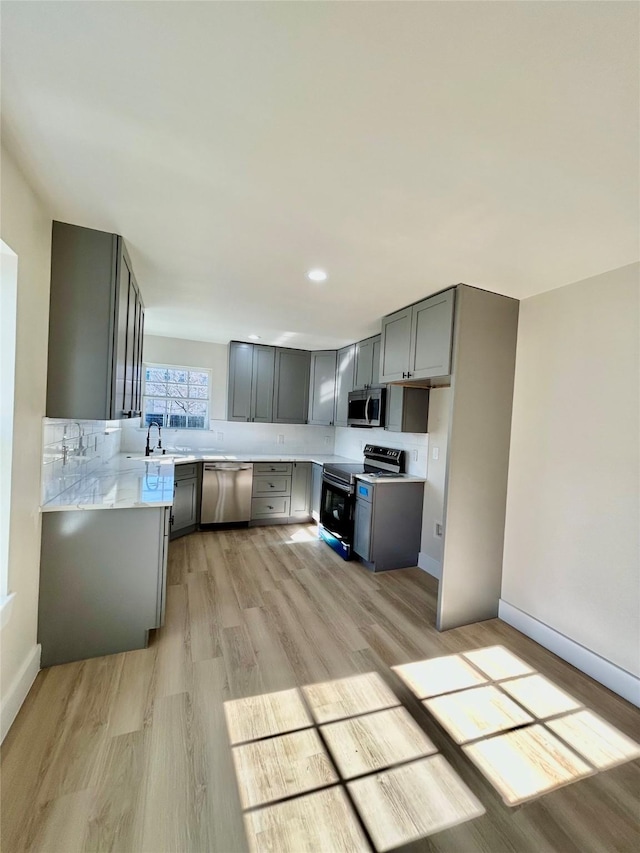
336,511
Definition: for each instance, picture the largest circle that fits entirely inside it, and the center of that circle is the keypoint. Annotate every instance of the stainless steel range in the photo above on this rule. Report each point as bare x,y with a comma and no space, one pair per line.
338,493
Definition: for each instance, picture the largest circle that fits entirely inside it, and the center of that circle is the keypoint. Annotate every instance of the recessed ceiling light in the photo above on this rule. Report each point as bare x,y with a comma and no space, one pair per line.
317,275
254,337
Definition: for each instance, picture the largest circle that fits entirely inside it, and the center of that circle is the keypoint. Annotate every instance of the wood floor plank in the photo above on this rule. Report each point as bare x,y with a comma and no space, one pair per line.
131,753
116,799
134,694
204,629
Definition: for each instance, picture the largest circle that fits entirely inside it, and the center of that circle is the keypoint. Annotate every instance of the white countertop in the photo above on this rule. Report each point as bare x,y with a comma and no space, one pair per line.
130,480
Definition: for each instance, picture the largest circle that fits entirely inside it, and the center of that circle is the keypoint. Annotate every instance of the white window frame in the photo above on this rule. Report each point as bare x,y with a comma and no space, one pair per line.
8,329
187,368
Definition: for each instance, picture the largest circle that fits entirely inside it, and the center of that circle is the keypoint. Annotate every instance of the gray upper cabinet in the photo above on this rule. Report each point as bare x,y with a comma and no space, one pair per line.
345,377
291,386
416,341
395,346
301,490
264,360
431,336
322,388
366,371
240,376
407,409
96,323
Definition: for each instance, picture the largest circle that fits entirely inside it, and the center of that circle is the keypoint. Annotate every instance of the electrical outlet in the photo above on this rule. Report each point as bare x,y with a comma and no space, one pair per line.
220,436
435,453
438,529
327,440
280,439
414,455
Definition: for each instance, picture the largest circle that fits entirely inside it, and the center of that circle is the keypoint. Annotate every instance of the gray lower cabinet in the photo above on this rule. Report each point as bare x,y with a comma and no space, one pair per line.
388,524
103,576
322,388
96,326
301,491
187,493
281,492
345,377
316,490
367,358
416,341
407,409
291,386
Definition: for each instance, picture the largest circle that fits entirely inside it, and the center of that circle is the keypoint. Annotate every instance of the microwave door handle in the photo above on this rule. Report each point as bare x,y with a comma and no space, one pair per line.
366,409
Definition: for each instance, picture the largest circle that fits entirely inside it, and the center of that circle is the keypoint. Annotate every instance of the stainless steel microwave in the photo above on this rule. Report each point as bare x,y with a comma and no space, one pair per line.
366,408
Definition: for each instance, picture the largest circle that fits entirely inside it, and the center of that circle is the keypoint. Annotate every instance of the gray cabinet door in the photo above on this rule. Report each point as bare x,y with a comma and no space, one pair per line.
264,360
431,336
301,490
395,346
393,421
185,505
375,362
316,490
345,375
322,388
362,539
364,364
121,335
240,373
291,386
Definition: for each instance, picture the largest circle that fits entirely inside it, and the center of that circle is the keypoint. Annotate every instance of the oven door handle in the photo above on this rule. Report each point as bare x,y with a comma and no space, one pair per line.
341,487
366,409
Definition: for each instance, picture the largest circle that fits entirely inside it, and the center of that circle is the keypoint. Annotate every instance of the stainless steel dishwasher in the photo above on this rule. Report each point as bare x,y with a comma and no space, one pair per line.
226,492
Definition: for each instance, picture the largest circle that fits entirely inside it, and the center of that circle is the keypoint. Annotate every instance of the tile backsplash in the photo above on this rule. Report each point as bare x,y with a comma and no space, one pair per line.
350,441
235,437
72,450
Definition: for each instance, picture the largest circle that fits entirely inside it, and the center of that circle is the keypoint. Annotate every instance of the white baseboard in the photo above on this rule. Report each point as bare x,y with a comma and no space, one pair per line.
17,691
614,677
429,565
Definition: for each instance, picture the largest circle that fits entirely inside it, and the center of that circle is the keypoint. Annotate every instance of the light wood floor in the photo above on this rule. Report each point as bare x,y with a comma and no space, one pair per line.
131,752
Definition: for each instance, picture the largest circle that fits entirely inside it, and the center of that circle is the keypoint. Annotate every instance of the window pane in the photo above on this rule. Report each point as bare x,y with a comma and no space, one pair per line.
197,408
155,389
156,374
177,375
151,405
198,392
196,378
177,390
196,422
177,421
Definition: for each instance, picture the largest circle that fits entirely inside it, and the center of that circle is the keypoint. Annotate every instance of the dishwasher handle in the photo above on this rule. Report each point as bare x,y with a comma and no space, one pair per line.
227,468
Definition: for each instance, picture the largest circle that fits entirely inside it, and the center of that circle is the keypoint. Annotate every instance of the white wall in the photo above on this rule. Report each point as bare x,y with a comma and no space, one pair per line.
214,357
431,548
571,555
26,228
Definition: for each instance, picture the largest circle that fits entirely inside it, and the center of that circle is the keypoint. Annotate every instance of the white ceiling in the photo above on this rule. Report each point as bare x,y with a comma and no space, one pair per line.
403,147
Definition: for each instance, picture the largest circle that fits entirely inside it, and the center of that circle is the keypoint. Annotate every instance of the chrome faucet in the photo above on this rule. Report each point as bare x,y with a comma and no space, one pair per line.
65,447
148,449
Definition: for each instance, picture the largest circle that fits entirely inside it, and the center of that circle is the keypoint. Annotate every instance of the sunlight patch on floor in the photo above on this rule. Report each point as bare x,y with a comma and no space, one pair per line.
301,536
365,762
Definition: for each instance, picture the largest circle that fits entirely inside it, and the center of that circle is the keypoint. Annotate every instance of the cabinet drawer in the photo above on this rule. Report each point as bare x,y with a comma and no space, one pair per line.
277,507
185,472
276,484
272,467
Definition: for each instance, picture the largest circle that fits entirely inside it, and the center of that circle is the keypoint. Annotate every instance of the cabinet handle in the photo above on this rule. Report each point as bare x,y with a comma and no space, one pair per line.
408,376
269,506
270,485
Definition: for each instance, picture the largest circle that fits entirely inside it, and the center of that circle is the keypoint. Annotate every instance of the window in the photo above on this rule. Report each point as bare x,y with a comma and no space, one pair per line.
176,397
